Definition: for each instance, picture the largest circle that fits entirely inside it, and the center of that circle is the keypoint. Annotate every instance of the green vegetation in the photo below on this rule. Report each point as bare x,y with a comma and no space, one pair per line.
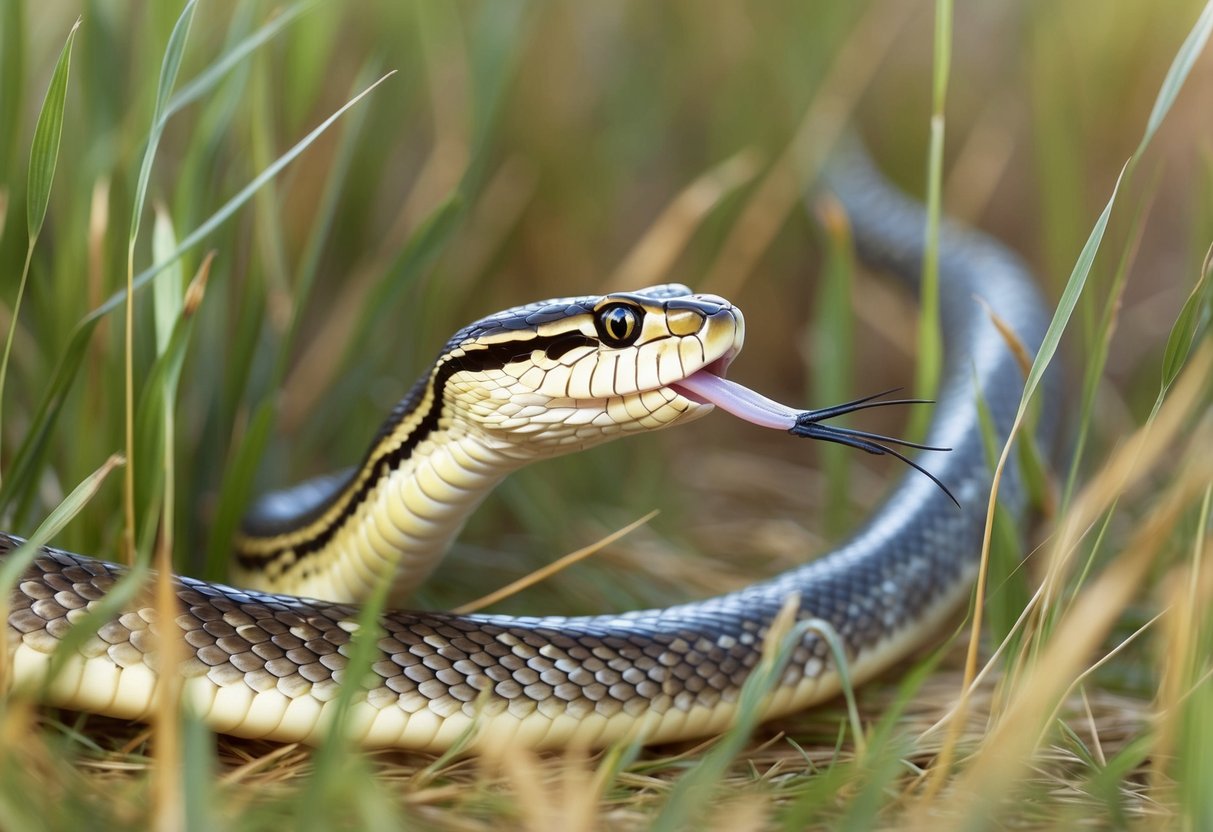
307,246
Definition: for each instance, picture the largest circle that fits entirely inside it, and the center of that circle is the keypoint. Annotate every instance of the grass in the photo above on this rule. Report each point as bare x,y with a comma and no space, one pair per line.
528,150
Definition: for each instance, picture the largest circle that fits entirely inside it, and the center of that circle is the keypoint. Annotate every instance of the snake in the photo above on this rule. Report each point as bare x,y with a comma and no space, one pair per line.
270,659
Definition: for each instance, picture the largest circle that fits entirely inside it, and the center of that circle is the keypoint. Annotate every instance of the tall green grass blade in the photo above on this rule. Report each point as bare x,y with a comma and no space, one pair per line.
685,806
1177,74
169,68
28,460
198,775
233,204
1069,298
154,417
930,339
44,157
267,207
1098,354
1181,66
44,152
18,487
16,563
832,340
205,81
1185,330
306,59
334,752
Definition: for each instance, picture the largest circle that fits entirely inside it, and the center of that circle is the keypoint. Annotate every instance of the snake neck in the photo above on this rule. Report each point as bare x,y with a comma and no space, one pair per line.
368,526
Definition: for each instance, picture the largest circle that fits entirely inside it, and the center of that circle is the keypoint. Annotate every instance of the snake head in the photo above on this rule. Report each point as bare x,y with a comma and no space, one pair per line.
564,374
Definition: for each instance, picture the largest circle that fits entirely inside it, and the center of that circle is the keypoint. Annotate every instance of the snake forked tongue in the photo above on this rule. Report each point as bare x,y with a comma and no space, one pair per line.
742,402
707,387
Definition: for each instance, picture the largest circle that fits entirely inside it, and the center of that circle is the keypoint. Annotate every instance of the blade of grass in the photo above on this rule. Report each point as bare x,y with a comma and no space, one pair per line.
19,560
1192,46
43,159
994,774
168,293
832,347
44,152
930,339
1093,372
29,456
326,213
552,568
650,260
1177,74
272,260
334,751
172,325
1187,326
198,775
688,800
782,187
169,67
174,51
206,80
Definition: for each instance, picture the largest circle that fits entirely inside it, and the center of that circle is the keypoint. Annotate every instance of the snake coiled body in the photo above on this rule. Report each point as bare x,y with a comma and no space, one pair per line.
270,664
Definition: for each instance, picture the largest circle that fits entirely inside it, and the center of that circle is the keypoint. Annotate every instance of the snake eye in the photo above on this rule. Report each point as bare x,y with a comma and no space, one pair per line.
619,324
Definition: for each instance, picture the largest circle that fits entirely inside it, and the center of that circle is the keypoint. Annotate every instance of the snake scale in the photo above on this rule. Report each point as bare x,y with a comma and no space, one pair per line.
526,383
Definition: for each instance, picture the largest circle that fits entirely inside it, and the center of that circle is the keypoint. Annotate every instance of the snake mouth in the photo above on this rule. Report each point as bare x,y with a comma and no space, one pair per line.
689,388
708,385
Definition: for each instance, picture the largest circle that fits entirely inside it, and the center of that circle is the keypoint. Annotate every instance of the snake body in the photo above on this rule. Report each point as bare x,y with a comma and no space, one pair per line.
269,663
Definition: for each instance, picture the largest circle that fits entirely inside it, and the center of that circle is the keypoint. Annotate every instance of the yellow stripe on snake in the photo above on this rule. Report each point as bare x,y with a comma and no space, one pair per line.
528,383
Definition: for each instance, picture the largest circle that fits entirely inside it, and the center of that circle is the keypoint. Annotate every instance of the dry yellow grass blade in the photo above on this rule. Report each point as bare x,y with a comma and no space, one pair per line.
651,259
1005,755
98,229
1188,591
554,794
169,812
167,791
783,186
543,573
1132,462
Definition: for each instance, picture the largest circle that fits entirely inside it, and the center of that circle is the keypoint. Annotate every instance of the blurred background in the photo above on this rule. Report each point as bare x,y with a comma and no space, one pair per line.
530,150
